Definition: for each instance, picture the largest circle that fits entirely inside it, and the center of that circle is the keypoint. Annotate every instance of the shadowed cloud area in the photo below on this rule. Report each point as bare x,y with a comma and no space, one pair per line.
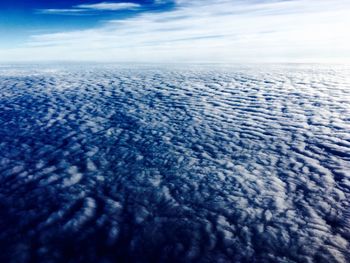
142,164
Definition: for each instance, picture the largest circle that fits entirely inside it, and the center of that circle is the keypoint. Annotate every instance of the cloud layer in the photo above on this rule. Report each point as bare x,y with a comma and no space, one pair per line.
112,164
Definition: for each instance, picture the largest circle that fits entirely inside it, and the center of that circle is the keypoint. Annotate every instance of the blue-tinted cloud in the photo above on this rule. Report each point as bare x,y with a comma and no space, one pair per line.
127,164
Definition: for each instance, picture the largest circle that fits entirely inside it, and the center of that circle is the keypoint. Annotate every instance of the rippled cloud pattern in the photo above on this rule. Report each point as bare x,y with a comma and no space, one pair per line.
117,164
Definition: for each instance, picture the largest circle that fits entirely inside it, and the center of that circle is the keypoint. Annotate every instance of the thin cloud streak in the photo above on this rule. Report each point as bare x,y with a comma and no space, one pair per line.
214,31
109,6
53,11
86,8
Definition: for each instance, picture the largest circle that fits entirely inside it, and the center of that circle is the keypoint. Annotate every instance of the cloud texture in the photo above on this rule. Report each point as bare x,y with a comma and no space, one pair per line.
111,164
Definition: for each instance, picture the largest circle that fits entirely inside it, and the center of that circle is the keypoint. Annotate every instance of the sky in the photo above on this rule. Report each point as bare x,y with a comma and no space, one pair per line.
175,31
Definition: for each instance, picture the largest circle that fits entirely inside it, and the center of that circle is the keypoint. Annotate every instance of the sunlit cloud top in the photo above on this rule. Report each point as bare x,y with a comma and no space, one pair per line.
187,31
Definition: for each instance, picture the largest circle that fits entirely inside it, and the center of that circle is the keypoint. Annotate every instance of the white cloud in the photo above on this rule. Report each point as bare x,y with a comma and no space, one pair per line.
220,31
86,8
109,6
71,11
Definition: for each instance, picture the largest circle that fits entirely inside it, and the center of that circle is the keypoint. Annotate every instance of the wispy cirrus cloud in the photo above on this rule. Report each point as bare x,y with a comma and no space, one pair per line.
208,30
109,6
86,8
66,11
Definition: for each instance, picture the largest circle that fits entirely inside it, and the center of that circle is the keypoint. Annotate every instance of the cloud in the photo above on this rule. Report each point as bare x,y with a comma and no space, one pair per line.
174,165
71,11
228,31
109,6
86,8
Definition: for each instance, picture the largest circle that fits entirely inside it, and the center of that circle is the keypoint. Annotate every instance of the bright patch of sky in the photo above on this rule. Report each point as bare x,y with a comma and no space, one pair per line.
176,31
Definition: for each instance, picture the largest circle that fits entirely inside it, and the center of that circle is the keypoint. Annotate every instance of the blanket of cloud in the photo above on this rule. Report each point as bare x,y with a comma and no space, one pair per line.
174,164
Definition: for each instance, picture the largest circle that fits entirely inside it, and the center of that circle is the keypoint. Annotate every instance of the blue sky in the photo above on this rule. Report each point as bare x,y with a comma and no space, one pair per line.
19,19
175,30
